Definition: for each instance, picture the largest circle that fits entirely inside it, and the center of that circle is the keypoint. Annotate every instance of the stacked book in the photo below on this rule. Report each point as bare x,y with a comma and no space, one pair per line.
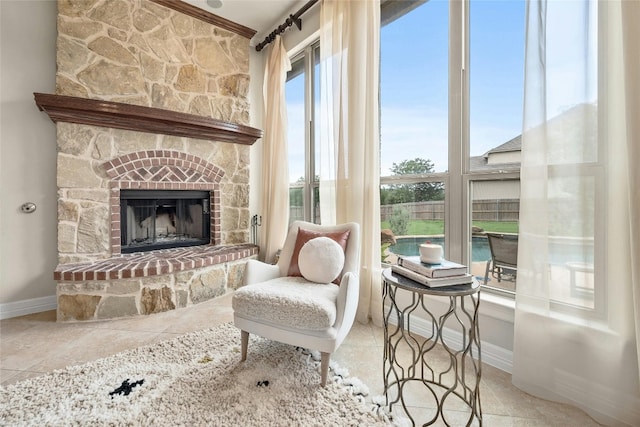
446,273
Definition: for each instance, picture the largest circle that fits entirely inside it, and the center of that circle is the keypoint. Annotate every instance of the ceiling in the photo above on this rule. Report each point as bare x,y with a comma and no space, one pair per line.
261,15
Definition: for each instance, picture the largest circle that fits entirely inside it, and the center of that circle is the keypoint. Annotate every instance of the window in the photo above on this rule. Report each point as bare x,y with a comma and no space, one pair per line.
414,129
495,97
451,93
302,88
469,148
452,127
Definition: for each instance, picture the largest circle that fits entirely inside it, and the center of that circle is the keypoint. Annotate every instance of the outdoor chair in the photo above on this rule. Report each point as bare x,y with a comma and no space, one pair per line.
309,298
504,256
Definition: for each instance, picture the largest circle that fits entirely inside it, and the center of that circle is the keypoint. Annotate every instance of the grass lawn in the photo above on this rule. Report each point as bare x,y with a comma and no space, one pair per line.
420,227
497,227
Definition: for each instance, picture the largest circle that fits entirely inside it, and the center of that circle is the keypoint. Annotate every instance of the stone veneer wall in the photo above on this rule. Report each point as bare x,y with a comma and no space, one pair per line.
138,52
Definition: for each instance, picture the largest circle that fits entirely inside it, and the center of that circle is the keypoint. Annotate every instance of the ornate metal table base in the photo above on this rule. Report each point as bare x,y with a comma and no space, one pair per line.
451,373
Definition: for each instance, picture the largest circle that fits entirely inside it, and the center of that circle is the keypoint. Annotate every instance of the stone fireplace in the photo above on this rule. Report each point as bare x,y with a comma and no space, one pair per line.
148,99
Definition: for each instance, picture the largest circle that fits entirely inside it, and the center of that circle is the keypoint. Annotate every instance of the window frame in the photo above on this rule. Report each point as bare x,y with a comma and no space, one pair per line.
310,54
459,177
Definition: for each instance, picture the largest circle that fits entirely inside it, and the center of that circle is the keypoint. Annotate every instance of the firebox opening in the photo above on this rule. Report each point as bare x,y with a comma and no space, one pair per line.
161,219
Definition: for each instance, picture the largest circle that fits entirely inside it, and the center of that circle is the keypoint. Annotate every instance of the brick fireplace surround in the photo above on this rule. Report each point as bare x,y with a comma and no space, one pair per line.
160,280
150,94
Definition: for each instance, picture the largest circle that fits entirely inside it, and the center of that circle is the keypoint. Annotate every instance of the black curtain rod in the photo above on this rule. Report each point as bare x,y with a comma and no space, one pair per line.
292,19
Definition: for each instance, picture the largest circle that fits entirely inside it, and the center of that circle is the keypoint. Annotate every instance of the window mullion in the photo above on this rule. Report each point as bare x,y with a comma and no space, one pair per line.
455,230
308,133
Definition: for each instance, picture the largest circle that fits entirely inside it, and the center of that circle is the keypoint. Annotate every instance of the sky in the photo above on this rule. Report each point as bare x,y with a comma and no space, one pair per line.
414,84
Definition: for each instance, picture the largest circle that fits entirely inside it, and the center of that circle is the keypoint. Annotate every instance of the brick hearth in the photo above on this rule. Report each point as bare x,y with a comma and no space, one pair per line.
154,263
147,283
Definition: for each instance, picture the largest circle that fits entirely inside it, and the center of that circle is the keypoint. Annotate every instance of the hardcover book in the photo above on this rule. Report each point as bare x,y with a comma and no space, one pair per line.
443,269
461,279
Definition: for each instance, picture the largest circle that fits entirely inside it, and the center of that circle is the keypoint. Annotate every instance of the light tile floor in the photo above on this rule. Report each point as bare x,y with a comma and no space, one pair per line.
35,344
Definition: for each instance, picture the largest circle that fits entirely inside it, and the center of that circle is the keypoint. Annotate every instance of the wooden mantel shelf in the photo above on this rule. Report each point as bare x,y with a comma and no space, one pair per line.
143,119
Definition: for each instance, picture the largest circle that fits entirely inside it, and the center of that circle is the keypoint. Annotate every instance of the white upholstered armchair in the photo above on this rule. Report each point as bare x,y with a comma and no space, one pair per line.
309,298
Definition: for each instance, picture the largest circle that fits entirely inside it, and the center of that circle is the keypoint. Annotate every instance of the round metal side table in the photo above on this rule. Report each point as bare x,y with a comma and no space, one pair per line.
451,372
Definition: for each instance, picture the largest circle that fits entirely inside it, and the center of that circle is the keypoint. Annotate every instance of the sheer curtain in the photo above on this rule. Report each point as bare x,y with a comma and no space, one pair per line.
577,296
349,133
275,174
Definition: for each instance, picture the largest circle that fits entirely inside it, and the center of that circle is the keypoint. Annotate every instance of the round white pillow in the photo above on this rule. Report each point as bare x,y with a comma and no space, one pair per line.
321,260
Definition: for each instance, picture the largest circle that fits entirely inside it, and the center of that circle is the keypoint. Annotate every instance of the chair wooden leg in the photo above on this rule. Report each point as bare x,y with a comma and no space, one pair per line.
324,368
244,340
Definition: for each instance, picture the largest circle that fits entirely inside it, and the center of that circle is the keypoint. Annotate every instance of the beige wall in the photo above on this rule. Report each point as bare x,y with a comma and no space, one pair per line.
27,156
256,113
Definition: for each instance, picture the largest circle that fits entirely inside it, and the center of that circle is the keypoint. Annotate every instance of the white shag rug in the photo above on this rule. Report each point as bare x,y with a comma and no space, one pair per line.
196,380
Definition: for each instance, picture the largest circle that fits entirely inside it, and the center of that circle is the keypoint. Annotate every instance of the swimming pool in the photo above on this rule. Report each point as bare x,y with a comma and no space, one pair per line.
561,251
408,246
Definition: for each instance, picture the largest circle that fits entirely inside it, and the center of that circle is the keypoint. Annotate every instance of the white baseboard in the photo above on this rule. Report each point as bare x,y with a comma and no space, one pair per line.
491,354
28,306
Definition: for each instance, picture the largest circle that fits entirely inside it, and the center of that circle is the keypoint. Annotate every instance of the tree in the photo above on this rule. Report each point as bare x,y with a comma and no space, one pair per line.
419,192
399,221
412,167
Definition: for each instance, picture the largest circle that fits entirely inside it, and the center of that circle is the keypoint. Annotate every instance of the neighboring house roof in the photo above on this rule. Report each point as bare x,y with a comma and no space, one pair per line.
558,128
481,162
514,144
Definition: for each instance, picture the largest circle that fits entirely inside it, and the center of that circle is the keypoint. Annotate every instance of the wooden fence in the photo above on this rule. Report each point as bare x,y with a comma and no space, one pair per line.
482,210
